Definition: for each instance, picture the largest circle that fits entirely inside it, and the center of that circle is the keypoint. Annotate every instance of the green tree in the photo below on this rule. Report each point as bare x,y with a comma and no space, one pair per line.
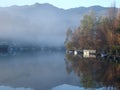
87,27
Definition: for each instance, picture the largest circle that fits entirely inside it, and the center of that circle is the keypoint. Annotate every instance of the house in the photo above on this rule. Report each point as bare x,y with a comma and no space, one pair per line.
75,52
89,53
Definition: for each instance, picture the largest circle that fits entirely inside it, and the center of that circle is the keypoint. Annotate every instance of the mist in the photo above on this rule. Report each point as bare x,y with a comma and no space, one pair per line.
20,29
40,24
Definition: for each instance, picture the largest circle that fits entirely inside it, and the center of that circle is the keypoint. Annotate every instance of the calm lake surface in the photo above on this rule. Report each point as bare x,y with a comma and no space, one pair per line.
39,71
43,71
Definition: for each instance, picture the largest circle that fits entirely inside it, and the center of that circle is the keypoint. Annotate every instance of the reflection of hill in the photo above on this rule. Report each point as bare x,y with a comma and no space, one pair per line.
94,73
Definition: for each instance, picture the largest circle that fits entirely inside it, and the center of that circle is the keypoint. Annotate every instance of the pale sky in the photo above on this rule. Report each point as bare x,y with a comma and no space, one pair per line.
65,4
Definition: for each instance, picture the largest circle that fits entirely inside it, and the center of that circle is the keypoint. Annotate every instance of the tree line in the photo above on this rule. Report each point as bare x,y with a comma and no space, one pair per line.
101,33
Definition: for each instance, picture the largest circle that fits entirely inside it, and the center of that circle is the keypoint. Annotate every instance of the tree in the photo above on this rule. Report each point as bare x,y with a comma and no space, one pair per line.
68,35
68,38
100,33
87,26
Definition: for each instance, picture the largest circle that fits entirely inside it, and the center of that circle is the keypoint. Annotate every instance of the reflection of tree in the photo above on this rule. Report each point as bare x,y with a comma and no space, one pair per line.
93,72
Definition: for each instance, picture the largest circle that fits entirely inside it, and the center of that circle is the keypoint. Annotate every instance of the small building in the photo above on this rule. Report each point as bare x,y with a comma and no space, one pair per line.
75,52
89,53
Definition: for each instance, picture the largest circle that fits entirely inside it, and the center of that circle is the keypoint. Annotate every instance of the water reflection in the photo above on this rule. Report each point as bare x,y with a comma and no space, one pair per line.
45,70
37,70
94,72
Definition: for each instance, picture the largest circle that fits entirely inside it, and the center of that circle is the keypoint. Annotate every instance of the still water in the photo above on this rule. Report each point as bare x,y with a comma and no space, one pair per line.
36,70
43,71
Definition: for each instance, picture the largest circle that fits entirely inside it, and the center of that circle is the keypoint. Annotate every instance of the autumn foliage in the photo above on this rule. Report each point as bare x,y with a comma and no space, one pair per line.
100,33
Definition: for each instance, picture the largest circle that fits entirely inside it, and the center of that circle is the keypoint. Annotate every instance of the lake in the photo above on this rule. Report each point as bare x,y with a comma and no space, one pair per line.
44,71
36,70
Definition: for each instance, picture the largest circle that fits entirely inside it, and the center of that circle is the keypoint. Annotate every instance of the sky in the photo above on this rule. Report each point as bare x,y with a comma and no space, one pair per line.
65,4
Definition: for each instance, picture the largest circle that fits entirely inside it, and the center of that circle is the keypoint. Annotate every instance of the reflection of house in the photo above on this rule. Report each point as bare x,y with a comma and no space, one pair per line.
89,53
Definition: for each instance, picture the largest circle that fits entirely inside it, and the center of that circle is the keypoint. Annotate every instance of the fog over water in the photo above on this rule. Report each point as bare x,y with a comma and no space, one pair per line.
34,24
42,68
23,30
